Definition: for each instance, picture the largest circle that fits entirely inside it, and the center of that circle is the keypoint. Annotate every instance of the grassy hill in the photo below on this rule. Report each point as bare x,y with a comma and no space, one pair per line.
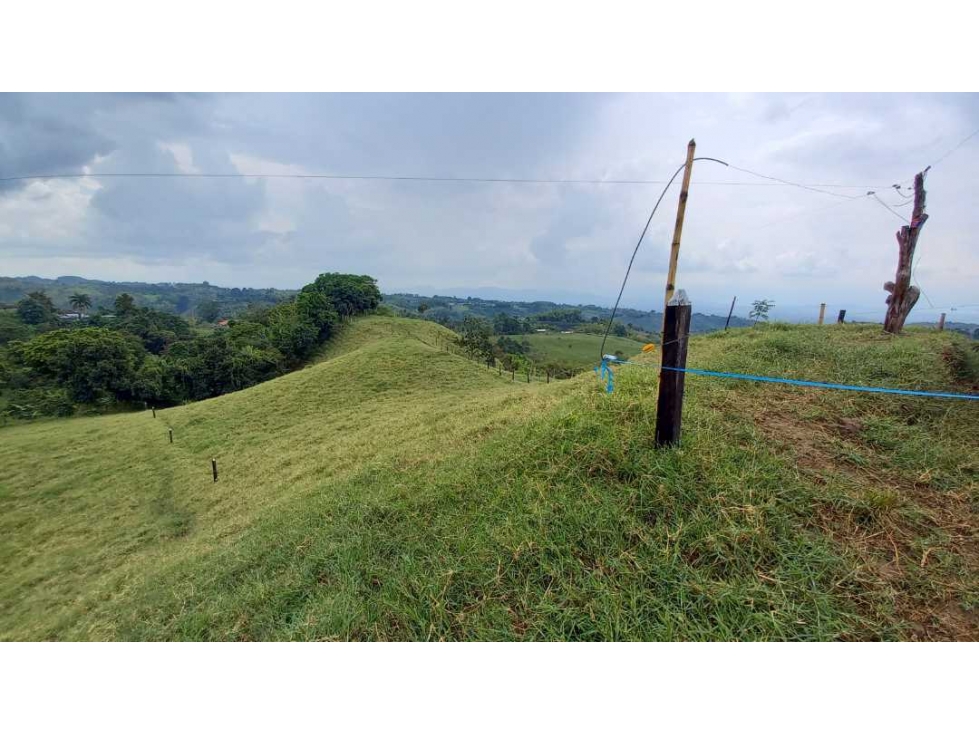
393,491
578,351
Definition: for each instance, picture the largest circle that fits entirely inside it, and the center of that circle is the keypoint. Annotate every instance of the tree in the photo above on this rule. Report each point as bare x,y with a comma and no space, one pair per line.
619,330
208,311
124,304
349,294
760,309
474,337
12,328
91,363
422,307
36,308
903,295
80,302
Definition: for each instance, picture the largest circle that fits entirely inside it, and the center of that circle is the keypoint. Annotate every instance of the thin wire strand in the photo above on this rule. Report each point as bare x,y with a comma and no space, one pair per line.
962,142
632,259
808,187
635,250
881,202
450,179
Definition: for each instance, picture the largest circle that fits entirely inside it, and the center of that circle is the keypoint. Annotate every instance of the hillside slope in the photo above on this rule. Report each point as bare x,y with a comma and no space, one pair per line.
393,491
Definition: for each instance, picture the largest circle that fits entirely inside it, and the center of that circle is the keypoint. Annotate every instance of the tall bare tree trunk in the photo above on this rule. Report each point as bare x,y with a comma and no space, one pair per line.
903,295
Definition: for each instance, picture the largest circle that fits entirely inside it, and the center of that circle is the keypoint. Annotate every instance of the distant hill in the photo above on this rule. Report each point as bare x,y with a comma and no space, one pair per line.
179,298
451,309
183,298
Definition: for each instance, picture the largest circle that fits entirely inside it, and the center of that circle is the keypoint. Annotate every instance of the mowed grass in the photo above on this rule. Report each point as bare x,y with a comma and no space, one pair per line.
397,492
579,351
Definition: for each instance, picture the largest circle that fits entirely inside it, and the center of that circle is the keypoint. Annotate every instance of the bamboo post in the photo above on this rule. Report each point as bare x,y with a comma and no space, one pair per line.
730,311
941,322
678,227
822,313
669,406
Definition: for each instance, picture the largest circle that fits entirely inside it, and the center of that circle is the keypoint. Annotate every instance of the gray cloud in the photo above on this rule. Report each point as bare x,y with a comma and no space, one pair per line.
763,241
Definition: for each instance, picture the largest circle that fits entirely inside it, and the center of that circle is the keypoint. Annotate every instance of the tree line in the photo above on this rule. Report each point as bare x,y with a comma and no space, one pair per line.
134,355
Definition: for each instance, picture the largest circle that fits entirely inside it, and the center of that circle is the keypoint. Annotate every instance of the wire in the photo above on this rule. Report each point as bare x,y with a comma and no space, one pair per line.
632,259
956,147
458,179
808,187
881,202
635,250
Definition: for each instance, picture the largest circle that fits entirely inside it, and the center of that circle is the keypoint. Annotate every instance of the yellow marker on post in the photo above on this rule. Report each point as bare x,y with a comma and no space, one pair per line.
649,347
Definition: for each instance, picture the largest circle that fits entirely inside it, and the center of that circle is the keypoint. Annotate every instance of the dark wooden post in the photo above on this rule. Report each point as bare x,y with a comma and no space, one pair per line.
822,313
214,468
731,311
548,377
500,368
528,375
513,374
669,406
941,322
170,431
903,295
154,411
839,319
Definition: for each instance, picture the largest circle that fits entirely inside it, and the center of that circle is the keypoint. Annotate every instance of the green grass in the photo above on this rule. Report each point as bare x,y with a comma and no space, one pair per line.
392,491
577,351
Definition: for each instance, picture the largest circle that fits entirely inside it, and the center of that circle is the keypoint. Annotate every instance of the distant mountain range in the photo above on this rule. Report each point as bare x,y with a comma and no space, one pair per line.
184,298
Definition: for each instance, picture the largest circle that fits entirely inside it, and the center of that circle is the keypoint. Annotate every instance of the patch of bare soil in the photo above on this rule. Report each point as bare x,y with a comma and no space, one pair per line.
892,517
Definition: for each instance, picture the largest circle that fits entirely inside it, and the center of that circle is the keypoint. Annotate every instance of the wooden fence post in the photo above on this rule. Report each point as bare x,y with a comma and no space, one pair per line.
839,319
731,311
170,431
669,406
941,322
154,411
214,468
822,313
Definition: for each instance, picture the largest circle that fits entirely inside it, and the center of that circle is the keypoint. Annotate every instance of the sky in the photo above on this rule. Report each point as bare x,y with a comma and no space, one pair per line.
570,242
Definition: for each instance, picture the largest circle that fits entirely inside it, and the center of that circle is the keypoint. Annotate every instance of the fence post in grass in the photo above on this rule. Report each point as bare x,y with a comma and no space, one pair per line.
669,406
154,411
548,377
822,313
513,374
214,468
941,322
731,311
499,366
170,431
839,319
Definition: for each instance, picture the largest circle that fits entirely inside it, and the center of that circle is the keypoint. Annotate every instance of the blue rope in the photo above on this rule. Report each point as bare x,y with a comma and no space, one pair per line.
784,381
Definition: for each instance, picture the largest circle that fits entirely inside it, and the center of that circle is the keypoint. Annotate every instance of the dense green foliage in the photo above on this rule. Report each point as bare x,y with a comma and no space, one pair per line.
138,355
397,491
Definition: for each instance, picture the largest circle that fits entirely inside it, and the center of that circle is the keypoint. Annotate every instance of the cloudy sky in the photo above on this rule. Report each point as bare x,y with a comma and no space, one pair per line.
755,239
